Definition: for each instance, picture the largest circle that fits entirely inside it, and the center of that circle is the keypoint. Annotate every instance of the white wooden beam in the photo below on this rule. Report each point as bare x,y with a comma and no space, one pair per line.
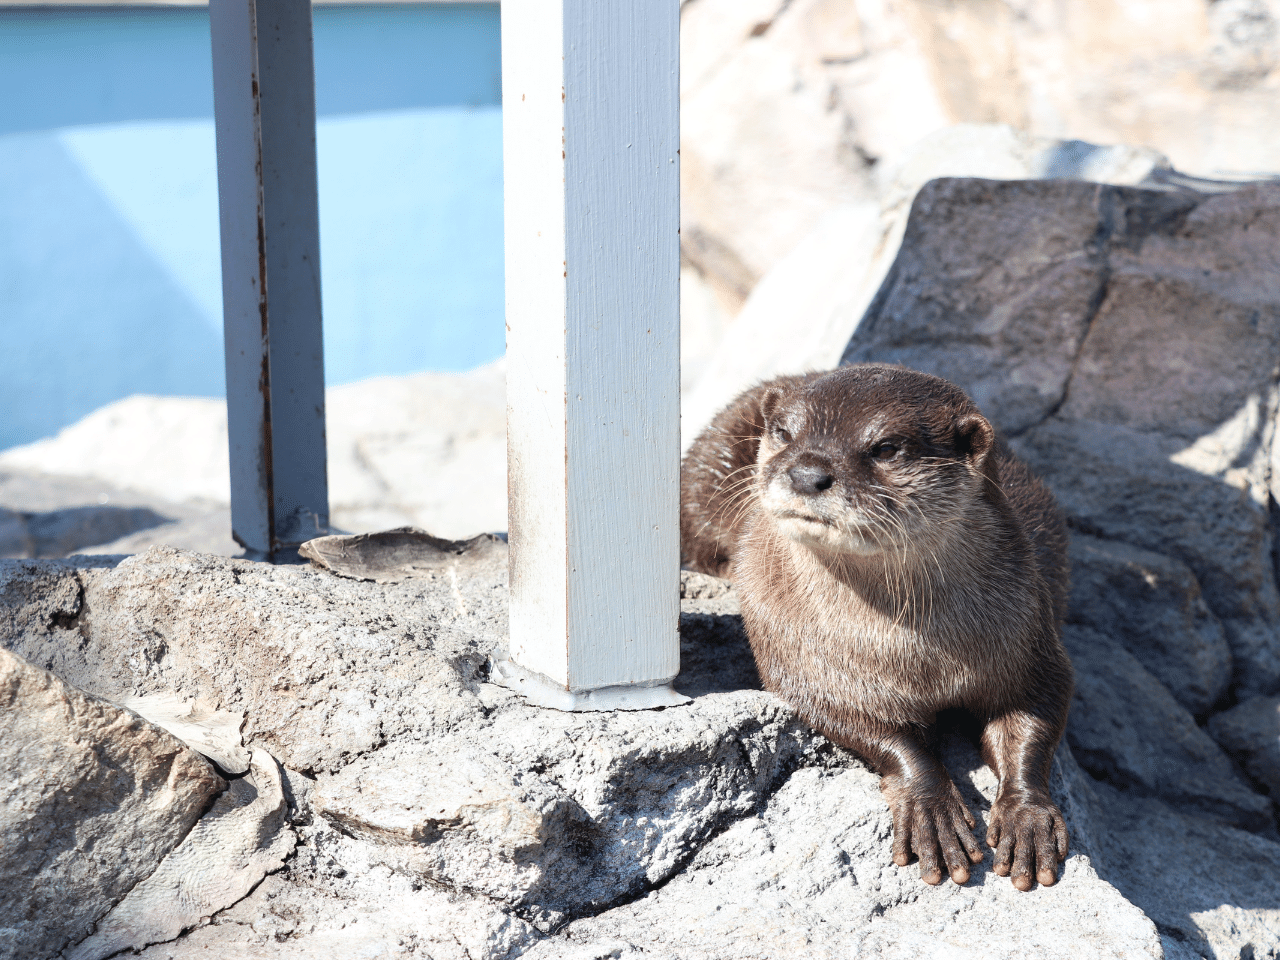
590,99
265,117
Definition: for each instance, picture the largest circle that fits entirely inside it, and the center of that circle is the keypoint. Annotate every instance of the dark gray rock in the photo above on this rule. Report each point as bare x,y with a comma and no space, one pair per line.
1121,485
1129,340
1250,732
92,799
1014,272
15,538
1152,605
1125,728
1210,889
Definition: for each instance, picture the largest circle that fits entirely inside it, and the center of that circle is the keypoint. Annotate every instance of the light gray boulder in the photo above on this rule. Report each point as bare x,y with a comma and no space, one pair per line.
324,669
1152,605
241,839
811,877
527,819
1126,728
92,799
1250,732
559,813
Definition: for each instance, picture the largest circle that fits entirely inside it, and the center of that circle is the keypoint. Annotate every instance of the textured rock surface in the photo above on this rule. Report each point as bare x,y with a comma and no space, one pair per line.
1123,485
242,838
1210,889
430,779
1250,732
92,799
820,290
811,877
1152,605
1127,729
618,802
324,669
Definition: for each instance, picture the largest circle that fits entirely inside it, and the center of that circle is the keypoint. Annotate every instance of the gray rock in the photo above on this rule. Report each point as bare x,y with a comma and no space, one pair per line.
1152,605
15,538
242,838
1127,729
1009,269
1130,340
811,877
325,669
1120,484
820,290
1105,286
1187,332
92,799
367,913
212,733
1210,889
427,778
558,813
1250,732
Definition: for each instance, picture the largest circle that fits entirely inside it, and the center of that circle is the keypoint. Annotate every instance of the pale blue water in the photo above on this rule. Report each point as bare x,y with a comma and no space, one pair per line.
109,273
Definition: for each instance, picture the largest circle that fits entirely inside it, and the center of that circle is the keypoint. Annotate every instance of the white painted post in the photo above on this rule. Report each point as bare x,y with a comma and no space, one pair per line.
265,116
590,101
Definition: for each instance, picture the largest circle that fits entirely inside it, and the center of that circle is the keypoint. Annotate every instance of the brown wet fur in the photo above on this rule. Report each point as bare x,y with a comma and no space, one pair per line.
893,560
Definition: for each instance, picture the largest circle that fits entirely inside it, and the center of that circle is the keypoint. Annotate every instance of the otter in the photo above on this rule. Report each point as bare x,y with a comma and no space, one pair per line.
894,560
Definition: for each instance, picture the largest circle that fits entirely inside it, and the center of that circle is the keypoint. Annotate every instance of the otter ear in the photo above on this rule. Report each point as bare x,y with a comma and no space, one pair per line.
974,436
769,401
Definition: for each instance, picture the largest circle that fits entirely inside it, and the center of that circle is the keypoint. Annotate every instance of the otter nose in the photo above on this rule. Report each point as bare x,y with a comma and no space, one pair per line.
807,478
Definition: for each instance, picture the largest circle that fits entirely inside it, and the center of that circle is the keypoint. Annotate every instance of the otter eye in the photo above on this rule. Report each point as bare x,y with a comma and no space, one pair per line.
885,450
781,434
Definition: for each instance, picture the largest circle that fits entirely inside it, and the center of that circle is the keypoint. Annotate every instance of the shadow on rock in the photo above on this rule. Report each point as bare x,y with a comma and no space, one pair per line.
715,656
59,533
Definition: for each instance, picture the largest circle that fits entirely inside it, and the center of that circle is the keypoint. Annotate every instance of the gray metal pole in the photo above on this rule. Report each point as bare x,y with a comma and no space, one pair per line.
265,115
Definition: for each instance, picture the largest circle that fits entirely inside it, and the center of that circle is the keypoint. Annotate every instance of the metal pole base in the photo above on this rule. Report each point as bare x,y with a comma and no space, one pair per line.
543,692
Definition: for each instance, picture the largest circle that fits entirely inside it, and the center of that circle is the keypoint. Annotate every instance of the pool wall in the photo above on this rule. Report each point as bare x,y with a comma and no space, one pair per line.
109,270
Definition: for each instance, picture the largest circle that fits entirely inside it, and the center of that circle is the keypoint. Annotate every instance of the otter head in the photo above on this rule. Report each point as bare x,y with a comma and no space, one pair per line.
873,459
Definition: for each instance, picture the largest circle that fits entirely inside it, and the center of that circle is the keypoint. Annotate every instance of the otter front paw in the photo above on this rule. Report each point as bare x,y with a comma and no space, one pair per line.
1030,839
936,826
